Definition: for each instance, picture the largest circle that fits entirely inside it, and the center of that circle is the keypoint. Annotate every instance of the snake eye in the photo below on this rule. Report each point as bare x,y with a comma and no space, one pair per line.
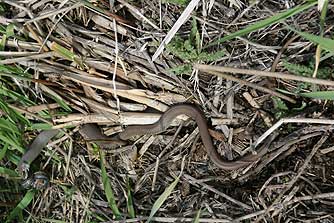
38,181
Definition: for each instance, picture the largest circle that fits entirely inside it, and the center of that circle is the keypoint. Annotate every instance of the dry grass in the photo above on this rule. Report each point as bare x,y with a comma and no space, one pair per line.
90,62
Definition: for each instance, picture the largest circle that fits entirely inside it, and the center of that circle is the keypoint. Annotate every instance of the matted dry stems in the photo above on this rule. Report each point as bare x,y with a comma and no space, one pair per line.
106,76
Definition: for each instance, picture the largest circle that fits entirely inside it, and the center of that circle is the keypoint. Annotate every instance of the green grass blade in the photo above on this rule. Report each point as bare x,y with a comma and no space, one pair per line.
325,43
107,188
198,215
194,36
53,220
56,97
6,125
13,75
324,95
65,53
9,140
162,198
13,69
13,115
323,16
42,126
3,42
15,96
17,211
12,157
3,151
7,173
62,51
266,22
10,30
130,207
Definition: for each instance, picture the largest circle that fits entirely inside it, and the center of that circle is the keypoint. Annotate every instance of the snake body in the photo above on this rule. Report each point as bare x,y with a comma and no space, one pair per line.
92,132
35,148
197,115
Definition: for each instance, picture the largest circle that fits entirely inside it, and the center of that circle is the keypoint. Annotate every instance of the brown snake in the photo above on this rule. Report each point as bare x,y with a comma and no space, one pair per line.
91,132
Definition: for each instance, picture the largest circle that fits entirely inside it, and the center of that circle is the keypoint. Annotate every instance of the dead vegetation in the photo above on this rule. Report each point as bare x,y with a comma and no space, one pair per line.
67,63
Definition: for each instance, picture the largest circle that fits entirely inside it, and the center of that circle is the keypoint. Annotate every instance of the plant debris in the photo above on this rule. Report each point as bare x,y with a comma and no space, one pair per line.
118,63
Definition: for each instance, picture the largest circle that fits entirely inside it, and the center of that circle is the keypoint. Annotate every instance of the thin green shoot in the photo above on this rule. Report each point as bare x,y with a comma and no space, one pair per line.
198,215
266,22
131,210
17,211
107,188
163,197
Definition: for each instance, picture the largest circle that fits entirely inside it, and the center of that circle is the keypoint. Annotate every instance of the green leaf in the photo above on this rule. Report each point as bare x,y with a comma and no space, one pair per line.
188,45
13,115
42,126
3,151
15,96
12,157
7,173
62,51
194,36
182,49
162,198
266,22
3,42
66,54
182,69
68,191
9,140
6,125
56,97
324,72
323,16
129,202
325,43
17,211
324,95
107,188
298,69
10,30
209,57
177,2
2,8
53,220
198,215
15,72
280,104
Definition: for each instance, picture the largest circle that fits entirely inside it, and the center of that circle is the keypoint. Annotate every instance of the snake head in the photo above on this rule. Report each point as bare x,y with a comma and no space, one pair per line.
38,181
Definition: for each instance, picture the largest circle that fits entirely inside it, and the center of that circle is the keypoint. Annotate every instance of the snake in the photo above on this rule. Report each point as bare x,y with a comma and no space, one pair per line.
91,132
